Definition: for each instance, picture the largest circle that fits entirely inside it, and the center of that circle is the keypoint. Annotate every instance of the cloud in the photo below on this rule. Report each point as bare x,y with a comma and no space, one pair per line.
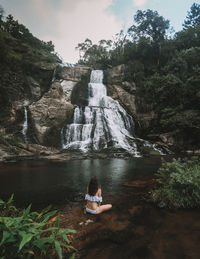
66,22
89,19
139,3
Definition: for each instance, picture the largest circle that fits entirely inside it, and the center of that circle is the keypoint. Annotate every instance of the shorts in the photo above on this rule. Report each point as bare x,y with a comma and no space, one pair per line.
91,211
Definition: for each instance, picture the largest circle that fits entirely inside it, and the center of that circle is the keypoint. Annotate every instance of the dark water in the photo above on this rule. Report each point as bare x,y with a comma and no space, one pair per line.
46,182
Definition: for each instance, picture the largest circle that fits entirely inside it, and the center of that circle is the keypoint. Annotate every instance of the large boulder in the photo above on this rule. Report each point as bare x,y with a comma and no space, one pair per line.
51,112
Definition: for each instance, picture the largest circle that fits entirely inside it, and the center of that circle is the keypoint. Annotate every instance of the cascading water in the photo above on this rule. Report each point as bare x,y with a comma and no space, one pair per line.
25,125
103,124
53,76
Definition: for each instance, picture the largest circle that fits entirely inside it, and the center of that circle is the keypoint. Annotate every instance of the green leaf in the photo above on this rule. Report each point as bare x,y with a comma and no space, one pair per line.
5,236
45,210
58,249
42,242
72,256
10,199
57,223
25,238
65,238
48,215
27,211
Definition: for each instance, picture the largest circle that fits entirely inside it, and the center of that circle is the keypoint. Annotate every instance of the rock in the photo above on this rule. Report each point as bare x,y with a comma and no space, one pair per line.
74,73
34,88
139,184
125,99
67,88
129,87
168,138
115,74
125,93
46,65
50,113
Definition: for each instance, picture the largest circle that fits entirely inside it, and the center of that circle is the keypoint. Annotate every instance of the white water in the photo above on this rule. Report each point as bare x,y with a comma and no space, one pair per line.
25,125
101,125
53,76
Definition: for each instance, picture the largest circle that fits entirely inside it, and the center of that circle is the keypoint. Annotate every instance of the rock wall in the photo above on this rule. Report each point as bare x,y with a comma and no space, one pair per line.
49,114
126,93
17,89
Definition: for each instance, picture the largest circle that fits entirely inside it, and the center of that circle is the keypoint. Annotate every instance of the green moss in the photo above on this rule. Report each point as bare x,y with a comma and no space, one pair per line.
154,152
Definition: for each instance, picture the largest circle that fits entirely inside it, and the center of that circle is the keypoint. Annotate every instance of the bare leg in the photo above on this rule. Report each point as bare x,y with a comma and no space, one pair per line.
104,208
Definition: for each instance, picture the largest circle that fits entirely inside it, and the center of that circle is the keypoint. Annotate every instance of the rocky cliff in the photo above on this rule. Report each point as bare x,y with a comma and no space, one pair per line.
50,106
126,93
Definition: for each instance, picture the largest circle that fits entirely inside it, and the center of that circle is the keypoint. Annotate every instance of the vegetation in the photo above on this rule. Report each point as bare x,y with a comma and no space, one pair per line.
26,234
17,43
165,68
178,184
22,56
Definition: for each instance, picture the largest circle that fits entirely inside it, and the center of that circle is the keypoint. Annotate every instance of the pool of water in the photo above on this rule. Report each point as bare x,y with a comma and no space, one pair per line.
49,182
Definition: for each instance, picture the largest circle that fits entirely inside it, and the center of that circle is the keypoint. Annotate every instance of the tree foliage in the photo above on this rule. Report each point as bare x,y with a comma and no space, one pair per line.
149,24
178,184
193,17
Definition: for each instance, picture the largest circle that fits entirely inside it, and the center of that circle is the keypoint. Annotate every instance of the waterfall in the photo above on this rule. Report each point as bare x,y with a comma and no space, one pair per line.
53,76
25,125
103,124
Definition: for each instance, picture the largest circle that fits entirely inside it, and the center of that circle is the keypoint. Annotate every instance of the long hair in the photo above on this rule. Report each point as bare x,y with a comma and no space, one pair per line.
93,186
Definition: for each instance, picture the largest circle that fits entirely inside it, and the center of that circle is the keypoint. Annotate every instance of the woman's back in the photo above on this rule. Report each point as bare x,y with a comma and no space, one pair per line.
94,198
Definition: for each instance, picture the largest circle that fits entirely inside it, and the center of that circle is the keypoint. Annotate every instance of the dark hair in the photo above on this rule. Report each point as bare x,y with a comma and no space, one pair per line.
93,186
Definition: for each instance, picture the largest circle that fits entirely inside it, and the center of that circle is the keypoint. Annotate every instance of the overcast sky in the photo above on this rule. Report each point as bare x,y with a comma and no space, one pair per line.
69,22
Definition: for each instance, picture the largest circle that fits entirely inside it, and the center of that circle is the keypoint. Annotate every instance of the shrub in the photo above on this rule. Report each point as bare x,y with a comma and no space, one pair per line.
26,234
178,184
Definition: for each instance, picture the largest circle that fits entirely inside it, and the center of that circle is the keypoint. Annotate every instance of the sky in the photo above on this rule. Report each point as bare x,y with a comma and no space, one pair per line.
69,22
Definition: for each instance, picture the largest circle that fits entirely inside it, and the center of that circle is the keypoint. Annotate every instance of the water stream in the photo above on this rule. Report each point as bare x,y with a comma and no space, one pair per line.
25,125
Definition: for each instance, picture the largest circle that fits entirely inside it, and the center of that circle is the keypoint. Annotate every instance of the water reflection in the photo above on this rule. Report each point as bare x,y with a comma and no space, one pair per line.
43,182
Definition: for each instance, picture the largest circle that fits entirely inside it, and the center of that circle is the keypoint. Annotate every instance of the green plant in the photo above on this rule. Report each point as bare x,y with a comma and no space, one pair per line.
178,184
26,234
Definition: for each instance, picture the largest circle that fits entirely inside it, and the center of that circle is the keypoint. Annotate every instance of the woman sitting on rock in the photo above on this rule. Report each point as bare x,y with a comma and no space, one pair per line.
94,198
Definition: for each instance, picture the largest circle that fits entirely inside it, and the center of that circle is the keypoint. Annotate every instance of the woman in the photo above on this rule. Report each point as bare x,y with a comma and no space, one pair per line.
94,198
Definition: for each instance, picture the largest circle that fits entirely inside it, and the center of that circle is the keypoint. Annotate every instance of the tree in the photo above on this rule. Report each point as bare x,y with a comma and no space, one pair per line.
188,38
193,17
83,47
149,24
1,17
